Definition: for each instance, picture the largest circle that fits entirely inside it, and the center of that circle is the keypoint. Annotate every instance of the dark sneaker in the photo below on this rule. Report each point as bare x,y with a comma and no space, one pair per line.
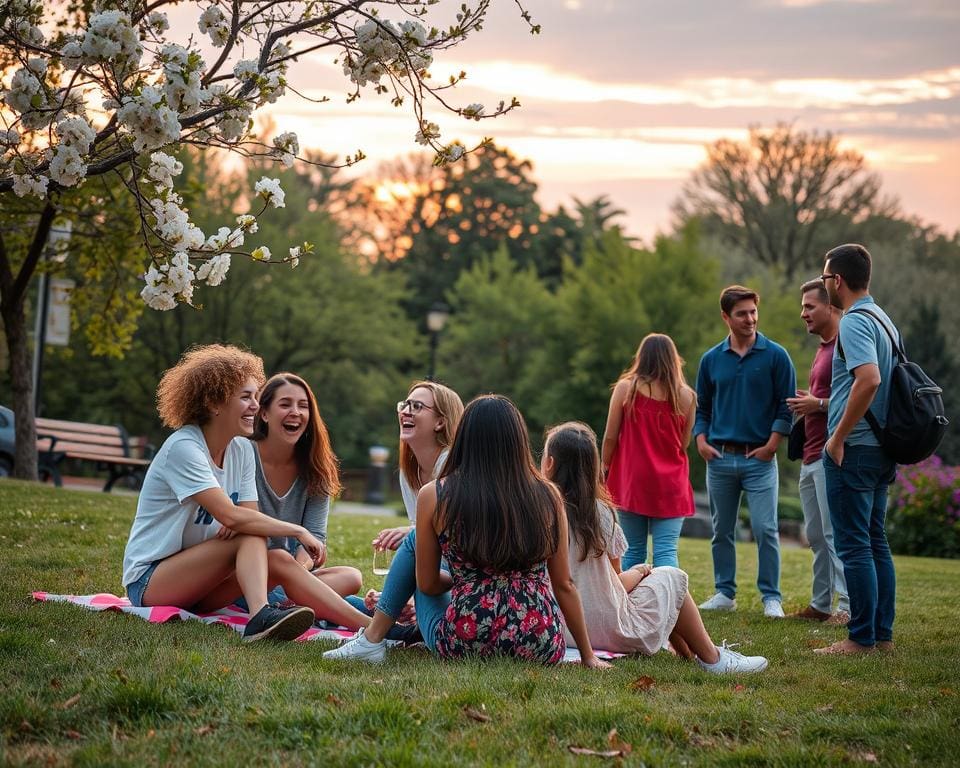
278,623
408,634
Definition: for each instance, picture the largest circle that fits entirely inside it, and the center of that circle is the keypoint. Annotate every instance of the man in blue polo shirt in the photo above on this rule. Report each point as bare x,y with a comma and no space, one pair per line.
856,469
742,414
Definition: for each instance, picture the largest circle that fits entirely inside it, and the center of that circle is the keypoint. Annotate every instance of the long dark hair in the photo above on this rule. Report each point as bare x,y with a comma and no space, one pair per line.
495,507
316,461
576,472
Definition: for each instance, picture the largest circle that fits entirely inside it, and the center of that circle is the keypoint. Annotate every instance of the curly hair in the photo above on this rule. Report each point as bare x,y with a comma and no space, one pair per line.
204,377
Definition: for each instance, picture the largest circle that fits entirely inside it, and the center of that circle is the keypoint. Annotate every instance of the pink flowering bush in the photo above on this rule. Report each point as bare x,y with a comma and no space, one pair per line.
923,517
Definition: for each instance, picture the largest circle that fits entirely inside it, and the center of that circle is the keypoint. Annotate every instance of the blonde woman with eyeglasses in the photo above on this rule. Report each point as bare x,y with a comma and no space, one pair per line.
428,417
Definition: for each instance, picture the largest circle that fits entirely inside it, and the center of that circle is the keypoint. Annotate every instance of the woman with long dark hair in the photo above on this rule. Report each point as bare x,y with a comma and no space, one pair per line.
500,527
649,424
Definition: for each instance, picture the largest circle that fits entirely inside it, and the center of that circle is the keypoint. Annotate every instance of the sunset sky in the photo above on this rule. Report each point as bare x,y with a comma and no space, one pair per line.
619,96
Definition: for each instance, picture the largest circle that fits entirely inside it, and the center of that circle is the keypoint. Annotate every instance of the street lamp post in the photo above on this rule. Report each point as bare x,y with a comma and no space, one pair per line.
437,318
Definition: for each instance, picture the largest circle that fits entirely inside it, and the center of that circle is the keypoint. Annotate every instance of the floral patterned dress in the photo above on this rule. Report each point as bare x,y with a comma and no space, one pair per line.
508,614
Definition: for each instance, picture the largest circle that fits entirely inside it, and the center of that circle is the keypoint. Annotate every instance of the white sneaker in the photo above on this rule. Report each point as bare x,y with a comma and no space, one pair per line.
732,663
361,649
773,608
719,602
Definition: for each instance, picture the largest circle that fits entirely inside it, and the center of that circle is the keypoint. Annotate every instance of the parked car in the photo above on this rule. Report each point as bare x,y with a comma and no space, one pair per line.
6,441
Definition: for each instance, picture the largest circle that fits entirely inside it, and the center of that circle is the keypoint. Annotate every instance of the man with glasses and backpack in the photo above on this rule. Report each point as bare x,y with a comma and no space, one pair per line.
857,469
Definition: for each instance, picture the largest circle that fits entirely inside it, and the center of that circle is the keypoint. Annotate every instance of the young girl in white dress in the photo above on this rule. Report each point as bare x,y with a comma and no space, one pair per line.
632,611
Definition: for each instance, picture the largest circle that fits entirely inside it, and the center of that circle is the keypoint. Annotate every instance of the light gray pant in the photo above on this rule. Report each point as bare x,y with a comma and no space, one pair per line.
827,568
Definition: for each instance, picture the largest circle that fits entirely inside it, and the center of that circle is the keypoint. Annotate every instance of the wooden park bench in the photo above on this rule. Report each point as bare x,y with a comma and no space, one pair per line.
109,448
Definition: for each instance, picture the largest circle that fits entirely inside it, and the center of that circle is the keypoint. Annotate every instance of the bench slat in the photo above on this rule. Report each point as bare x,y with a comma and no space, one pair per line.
77,426
70,447
75,437
110,459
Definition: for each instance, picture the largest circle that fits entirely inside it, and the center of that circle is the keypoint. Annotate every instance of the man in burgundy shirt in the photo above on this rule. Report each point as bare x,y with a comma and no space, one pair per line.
824,320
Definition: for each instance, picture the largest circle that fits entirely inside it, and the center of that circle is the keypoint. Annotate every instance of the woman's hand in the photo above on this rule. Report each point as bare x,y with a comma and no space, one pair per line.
226,533
593,662
391,538
304,559
644,569
315,548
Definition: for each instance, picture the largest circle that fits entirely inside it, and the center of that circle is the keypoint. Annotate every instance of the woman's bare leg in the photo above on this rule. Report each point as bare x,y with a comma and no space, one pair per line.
689,631
342,579
305,589
212,574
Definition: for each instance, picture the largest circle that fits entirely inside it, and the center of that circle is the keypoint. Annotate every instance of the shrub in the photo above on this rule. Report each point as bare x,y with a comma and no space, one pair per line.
923,517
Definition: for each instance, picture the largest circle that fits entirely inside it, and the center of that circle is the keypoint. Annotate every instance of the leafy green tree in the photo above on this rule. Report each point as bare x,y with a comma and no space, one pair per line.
475,207
784,197
605,306
502,315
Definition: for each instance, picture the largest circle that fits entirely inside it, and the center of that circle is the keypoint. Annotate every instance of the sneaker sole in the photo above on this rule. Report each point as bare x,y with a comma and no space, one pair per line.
369,659
290,627
727,609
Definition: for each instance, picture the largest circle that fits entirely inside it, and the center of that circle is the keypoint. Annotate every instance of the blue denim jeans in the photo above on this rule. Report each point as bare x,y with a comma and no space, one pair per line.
401,584
857,495
665,532
728,477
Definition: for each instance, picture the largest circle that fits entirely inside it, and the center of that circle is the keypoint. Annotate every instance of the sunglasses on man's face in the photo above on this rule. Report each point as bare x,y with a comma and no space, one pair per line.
415,406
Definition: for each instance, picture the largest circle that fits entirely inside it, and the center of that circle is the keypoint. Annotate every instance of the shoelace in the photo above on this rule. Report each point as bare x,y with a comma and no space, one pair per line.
729,648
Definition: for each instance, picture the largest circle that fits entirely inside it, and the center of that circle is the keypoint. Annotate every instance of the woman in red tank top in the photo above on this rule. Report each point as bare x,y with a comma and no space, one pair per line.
645,450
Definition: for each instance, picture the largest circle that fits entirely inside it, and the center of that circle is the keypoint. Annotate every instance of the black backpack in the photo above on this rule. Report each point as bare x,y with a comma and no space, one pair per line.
915,418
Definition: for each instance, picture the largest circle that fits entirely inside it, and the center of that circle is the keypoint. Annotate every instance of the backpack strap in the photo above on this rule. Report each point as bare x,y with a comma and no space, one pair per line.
896,343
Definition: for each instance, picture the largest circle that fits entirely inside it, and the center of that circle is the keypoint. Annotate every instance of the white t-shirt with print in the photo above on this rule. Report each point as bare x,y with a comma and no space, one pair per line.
168,520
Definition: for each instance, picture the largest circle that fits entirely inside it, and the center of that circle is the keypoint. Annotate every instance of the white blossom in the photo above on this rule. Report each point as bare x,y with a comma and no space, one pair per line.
427,132
158,22
67,167
213,23
287,146
77,133
215,269
248,223
452,152
151,124
30,185
110,37
156,293
295,257
261,254
182,72
246,69
473,111
270,190
163,168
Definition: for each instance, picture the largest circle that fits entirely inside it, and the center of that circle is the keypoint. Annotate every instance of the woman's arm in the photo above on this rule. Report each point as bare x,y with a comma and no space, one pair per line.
614,417
430,579
569,599
244,519
690,415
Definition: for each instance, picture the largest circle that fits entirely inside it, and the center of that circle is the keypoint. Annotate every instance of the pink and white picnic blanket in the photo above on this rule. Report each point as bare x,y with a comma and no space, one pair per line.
231,616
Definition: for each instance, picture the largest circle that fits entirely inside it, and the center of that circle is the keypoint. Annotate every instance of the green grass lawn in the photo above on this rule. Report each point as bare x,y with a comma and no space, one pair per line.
93,689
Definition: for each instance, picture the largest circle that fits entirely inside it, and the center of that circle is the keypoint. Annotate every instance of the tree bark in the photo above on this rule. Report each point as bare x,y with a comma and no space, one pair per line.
13,291
18,348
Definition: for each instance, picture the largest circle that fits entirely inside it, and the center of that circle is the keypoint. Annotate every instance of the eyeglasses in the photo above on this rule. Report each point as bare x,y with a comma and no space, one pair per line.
415,406
824,278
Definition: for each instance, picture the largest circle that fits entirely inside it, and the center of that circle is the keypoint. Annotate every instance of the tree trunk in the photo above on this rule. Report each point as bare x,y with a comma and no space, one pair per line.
25,456
13,291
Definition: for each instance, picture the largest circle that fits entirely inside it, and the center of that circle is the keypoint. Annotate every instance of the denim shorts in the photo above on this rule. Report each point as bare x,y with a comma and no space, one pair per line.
137,588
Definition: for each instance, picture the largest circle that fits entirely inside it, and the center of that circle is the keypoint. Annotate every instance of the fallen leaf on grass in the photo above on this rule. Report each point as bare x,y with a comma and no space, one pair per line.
151,733
70,702
121,676
865,757
594,752
476,714
334,700
615,742
55,683
73,735
824,708
25,727
204,730
644,683
947,692
739,687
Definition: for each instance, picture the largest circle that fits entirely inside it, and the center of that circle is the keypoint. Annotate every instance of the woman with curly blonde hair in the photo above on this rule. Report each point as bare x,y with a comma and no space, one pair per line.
198,540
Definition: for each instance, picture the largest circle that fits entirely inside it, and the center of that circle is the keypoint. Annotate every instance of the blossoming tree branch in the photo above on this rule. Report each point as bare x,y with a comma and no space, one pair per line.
98,89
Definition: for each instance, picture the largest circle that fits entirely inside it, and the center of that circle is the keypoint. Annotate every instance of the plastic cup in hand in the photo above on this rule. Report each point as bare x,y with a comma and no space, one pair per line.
382,560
